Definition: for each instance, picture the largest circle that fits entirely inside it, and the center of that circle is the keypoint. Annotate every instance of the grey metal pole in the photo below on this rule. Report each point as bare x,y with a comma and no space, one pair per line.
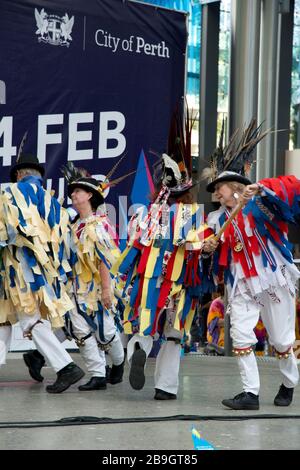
208,87
268,77
284,84
209,77
245,32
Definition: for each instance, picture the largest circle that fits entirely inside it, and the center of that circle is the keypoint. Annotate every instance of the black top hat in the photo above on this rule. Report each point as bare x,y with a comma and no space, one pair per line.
90,185
80,178
227,176
26,161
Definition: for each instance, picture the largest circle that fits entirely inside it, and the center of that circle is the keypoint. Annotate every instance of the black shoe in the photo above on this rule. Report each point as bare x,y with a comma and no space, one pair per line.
96,383
243,401
34,361
284,396
137,373
116,374
162,395
66,377
107,372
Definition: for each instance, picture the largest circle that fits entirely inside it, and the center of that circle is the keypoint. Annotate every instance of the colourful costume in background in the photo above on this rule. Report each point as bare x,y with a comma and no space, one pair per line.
261,336
215,333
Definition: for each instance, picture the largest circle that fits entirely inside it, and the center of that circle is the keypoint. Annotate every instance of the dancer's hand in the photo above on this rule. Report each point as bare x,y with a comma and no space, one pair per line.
106,298
210,245
250,191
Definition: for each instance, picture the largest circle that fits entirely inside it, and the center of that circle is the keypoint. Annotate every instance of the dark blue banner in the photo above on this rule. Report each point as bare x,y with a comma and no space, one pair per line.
90,81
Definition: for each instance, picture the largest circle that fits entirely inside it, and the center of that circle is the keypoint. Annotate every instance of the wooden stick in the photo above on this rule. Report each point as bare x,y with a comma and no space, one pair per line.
238,208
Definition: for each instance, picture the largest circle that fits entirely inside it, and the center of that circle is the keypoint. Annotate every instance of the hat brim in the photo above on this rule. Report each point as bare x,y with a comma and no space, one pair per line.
21,166
234,178
85,187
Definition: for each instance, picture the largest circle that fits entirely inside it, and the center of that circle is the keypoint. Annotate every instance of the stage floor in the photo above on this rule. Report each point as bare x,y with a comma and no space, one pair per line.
204,382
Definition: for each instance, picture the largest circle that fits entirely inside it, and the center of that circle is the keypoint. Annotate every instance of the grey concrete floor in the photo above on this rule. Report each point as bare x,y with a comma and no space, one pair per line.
204,382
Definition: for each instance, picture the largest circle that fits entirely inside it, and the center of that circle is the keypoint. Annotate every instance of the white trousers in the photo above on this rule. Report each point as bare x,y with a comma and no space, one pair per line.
46,342
93,356
166,376
278,315
5,338
44,338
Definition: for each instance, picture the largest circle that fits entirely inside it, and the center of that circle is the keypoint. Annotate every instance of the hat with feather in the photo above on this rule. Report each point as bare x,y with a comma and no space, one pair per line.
174,170
80,178
233,162
25,160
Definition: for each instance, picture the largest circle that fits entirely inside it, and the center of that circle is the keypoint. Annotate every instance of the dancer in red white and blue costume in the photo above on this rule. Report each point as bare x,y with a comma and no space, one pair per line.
255,257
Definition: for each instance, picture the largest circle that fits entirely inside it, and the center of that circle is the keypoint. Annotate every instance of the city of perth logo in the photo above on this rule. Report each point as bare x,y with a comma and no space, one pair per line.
54,29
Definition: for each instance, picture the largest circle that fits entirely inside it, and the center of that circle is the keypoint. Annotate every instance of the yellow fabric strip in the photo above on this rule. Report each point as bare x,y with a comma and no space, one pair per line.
189,320
115,268
144,292
178,263
175,289
144,320
127,325
154,253
127,328
7,311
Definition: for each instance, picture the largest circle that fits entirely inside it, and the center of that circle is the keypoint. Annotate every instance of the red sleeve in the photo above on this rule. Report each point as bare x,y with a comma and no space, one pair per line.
285,187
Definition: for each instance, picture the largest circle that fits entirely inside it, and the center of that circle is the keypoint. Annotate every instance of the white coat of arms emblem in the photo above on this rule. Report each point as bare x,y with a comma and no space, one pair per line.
53,29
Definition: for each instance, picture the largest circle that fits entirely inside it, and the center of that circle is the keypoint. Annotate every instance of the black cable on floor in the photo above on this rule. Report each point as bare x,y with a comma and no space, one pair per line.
87,420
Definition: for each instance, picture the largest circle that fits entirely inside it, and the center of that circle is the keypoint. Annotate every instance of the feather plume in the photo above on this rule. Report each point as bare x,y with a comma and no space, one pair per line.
111,172
217,158
189,124
22,145
174,168
238,154
104,185
242,154
72,173
180,139
207,173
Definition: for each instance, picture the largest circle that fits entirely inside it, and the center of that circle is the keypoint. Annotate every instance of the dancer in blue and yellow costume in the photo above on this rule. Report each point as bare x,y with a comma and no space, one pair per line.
34,268
94,318
163,269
